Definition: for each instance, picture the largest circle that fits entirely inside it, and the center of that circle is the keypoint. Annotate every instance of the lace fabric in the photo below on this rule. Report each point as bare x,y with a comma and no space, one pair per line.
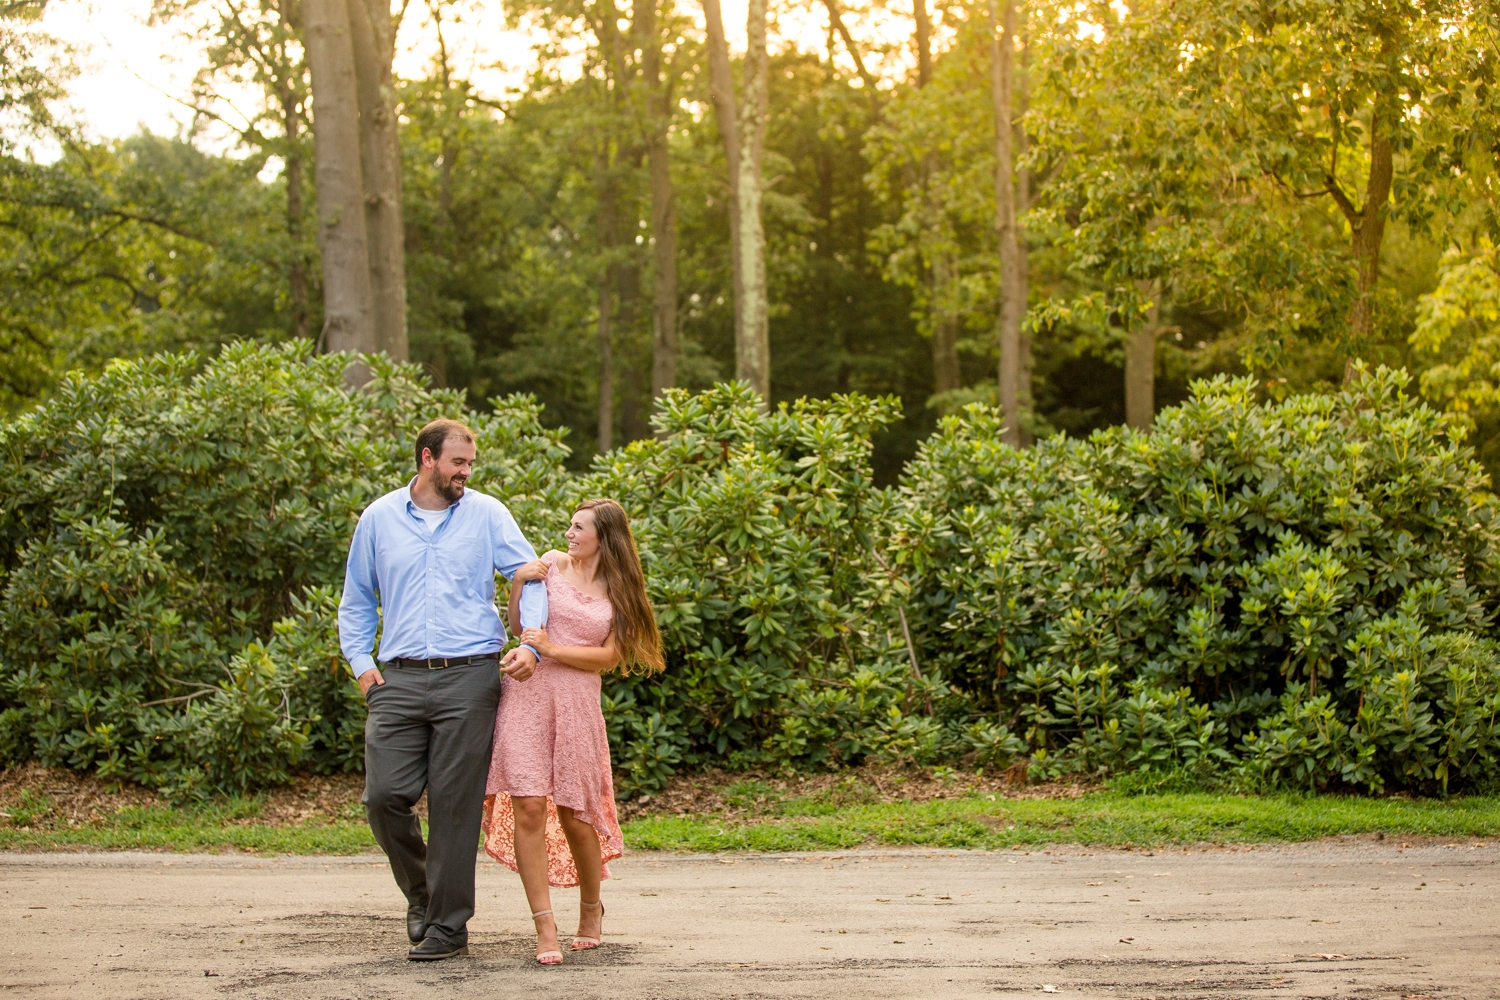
550,741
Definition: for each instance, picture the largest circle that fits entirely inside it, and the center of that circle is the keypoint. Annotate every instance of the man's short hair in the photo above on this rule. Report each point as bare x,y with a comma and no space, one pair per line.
434,435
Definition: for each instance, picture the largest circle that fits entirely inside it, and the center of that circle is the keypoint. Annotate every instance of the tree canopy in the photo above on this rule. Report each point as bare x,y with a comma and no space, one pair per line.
1275,188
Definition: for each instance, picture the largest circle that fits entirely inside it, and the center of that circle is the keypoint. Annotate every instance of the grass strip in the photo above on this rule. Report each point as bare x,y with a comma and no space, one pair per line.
201,830
1102,818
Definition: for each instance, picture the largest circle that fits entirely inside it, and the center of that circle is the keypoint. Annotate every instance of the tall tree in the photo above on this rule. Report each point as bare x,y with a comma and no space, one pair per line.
726,115
947,374
609,235
348,306
923,21
1140,357
373,29
617,270
742,127
1024,400
1157,197
1012,301
287,75
659,82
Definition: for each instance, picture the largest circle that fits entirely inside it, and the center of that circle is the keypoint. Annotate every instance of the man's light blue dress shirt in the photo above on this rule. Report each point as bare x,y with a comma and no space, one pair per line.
436,587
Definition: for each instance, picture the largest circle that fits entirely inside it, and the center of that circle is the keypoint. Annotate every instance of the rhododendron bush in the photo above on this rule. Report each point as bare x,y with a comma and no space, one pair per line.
1292,593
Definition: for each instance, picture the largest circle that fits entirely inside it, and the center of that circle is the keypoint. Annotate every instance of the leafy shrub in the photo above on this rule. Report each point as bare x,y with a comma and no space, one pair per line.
756,531
1288,594
1147,600
159,517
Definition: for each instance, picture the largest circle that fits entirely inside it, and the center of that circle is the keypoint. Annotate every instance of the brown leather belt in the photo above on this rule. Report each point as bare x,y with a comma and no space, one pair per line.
441,662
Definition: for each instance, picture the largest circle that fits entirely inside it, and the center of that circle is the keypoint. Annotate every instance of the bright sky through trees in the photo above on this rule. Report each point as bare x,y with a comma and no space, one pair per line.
132,72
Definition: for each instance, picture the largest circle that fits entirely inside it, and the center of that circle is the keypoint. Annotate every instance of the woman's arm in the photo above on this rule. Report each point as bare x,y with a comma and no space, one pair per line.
513,609
593,659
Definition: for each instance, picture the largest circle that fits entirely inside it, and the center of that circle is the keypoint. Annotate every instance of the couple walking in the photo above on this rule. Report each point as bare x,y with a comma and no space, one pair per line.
514,744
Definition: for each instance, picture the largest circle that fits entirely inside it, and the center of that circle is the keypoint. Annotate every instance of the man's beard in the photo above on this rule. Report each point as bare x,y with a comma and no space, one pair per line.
450,489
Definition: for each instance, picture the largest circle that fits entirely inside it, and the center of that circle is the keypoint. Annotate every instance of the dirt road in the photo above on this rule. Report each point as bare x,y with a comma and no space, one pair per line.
1327,920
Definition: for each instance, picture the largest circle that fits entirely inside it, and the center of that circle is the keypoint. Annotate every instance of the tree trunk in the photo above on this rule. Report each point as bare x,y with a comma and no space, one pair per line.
609,238
347,319
942,318
289,97
663,211
447,152
1367,227
924,42
836,23
946,375
1023,261
296,271
373,32
1012,307
752,335
605,342
1140,361
726,113
663,270
633,422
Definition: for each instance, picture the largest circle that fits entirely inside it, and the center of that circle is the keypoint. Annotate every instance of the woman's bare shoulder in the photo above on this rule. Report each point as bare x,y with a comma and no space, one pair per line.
555,557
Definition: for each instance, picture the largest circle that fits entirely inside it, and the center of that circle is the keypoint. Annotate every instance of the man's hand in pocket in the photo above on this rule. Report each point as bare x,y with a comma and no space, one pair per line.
369,679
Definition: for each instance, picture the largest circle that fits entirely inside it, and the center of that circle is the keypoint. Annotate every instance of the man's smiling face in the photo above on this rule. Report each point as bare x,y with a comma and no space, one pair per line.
452,469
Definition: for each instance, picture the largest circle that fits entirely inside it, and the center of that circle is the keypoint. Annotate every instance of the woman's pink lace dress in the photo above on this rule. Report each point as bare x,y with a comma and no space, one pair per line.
550,740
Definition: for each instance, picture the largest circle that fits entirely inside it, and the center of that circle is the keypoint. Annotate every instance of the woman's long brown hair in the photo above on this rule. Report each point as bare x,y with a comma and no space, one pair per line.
636,635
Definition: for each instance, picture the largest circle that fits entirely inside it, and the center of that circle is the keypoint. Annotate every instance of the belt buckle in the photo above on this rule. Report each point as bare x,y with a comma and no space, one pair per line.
431,663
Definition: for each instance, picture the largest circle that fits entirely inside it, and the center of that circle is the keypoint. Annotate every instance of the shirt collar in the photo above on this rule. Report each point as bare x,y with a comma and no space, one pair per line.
410,503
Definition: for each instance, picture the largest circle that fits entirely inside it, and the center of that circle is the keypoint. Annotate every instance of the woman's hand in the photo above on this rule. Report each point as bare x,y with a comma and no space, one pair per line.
534,570
537,639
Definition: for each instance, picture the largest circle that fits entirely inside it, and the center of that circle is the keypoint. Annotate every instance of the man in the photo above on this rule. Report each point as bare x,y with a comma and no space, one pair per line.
423,564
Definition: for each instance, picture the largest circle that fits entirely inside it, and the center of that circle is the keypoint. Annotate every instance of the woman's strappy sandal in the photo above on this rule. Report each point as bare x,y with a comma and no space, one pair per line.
546,957
585,943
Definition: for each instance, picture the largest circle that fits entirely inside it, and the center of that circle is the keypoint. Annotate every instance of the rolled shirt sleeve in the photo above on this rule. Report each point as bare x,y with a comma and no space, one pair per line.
533,605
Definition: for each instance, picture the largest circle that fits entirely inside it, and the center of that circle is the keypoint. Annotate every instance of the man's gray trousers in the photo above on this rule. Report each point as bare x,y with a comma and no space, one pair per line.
433,730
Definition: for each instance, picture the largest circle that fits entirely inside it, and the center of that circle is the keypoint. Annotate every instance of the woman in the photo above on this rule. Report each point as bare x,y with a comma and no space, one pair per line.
549,805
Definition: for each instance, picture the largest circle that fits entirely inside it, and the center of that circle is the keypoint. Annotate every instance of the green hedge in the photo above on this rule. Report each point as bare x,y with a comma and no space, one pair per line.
1289,585
172,535
1292,593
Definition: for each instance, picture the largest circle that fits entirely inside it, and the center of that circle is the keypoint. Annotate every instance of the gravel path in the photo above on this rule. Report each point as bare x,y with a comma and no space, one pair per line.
1357,919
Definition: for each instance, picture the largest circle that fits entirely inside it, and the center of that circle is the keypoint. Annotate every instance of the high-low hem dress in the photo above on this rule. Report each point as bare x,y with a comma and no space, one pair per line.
550,740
